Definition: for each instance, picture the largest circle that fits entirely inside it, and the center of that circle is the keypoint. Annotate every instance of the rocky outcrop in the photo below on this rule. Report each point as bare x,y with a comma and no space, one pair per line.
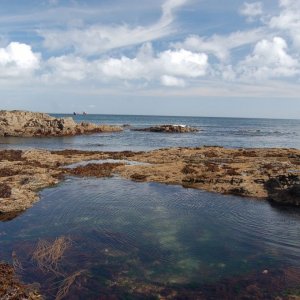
24,173
241,172
28,124
168,129
284,189
259,173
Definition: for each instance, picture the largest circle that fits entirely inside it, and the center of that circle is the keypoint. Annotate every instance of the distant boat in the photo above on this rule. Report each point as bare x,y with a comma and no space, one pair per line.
74,113
84,113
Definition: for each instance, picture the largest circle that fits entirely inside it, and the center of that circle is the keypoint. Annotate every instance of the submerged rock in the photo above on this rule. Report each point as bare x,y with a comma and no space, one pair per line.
27,124
168,129
12,288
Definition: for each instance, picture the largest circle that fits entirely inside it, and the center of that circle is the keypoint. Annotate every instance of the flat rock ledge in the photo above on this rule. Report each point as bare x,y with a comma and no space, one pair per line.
272,174
168,129
28,124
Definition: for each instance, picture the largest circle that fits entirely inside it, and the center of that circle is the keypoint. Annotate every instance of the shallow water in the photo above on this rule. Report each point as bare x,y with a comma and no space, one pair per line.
134,239
228,132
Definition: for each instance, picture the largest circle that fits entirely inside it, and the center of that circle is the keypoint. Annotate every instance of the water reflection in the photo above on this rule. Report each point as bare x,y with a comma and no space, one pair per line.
140,240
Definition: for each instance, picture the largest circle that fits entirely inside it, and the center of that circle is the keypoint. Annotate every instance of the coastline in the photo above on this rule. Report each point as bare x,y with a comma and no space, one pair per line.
260,173
257,173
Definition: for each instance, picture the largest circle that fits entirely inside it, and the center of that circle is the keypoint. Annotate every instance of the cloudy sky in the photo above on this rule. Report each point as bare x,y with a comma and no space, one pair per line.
162,57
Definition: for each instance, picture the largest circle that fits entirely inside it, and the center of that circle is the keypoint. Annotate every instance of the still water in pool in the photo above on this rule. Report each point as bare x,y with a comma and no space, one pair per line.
127,240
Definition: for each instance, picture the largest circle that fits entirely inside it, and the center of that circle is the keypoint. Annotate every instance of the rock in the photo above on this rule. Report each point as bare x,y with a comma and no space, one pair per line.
28,124
95,170
284,189
168,129
12,288
266,173
138,177
5,190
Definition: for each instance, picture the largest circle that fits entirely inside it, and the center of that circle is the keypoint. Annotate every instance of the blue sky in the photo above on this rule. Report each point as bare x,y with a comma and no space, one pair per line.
173,57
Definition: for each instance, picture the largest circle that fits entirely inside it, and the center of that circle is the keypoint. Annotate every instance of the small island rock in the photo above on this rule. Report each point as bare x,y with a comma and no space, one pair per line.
168,129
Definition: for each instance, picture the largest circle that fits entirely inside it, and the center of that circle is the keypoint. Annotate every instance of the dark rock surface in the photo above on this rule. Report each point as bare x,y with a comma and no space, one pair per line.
284,189
168,129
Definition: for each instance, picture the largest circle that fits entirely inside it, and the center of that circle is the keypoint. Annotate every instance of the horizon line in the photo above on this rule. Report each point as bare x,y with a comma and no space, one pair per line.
178,116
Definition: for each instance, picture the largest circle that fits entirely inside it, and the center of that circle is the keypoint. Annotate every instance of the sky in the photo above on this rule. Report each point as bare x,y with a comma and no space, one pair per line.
161,57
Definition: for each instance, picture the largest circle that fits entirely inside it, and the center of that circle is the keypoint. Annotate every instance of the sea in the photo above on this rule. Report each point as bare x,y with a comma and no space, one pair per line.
227,132
131,240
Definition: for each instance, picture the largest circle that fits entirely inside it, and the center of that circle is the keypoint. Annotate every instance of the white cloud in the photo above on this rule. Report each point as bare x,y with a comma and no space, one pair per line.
269,60
288,20
168,67
18,59
97,39
223,72
251,10
168,10
67,68
172,81
183,63
220,46
140,67
289,3
123,68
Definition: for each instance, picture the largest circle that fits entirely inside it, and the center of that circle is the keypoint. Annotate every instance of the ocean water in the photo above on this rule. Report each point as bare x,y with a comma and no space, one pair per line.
227,132
129,240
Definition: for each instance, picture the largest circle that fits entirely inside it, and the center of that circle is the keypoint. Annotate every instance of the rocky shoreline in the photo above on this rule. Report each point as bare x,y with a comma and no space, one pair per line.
28,124
259,173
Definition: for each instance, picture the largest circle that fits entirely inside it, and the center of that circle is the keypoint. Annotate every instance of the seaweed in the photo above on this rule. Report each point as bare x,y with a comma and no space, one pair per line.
47,255
67,283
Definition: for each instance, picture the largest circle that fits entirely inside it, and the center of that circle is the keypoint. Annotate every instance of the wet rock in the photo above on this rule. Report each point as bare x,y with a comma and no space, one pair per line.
12,288
27,124
168,129
5,190
284,189
138,177
95,170
11,155
6,172
5,217
188,169
238,191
